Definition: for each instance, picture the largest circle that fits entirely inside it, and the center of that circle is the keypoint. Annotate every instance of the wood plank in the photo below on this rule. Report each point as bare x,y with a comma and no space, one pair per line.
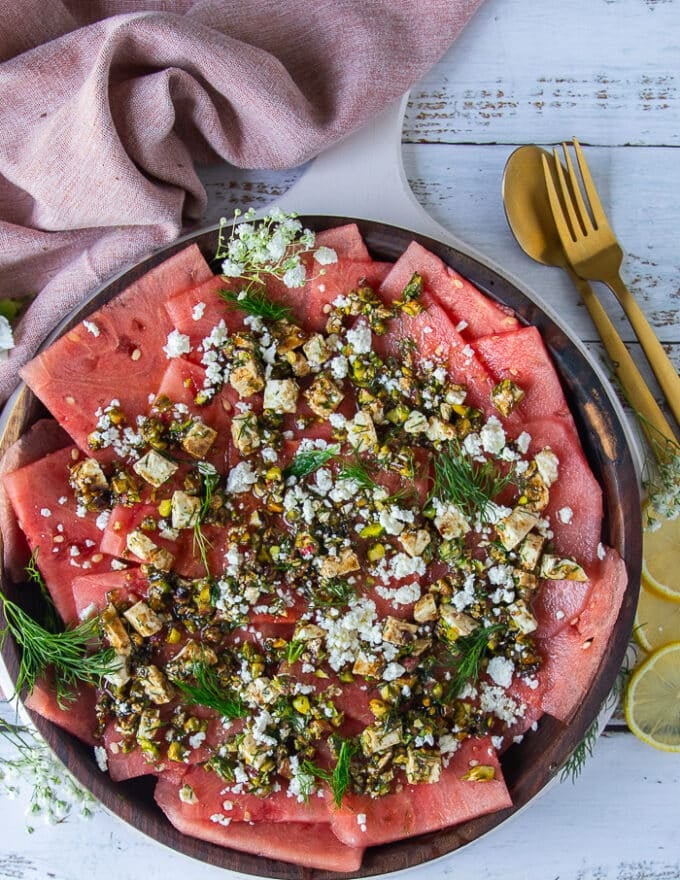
534,72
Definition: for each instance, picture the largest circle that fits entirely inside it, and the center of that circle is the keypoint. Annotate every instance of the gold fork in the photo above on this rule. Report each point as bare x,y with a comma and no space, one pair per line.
594,253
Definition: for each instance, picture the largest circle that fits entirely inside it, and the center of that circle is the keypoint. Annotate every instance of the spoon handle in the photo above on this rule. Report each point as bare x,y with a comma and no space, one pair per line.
635,389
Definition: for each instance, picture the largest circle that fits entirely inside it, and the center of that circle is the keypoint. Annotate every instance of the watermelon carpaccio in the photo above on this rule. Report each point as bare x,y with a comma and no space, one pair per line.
342,538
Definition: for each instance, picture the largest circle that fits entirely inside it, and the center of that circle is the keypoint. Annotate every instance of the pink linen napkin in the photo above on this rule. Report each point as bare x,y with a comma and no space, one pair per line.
105,105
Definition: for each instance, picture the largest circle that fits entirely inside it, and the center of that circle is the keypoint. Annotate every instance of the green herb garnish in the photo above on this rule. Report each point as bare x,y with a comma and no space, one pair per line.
294,650
211,481
68,654
470,485
310,460
339,779
466,656
254,301
51,616
210,691
333,593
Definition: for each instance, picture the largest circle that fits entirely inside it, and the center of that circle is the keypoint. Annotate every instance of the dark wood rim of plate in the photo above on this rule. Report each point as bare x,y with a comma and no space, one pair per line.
528,767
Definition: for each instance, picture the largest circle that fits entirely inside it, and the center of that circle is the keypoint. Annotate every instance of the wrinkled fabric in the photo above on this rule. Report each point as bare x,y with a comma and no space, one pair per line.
106,106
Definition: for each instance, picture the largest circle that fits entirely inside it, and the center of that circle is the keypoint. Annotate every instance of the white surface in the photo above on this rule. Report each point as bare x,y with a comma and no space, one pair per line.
607,71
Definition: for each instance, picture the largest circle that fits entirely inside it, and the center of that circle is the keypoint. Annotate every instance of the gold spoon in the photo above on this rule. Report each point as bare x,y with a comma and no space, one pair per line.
527,208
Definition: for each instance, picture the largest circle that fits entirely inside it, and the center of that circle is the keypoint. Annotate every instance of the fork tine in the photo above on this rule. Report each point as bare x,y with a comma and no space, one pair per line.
599,215
561,222
567,200
581,209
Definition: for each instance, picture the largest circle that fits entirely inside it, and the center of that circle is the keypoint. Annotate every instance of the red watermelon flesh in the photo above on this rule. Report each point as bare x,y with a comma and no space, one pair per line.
76,716
417,809
575,506
97,590
217,796
338,279
43,437
197,311
558,603
181,383
438,341
310,845
346,241
520,355
460,299
65,544
117,358
573,656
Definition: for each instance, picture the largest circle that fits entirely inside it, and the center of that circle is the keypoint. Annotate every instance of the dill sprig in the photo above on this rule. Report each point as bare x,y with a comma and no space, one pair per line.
466,657
209,691
339,779
68,654
583,751
211,480
470,485
50,614
333,593
310,460
254,301
357,471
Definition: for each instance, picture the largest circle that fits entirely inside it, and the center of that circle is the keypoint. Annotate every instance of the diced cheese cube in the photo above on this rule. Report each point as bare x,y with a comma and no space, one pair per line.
515,527
87,476
398,632
324,396
522,618
155,468
281,395
246,376
316,350
555,568
456,624
143,547
450,522
185,510
548,464
529,551
156,686
414,541
361,432
198,440
143,619
425,608
345,562
422,766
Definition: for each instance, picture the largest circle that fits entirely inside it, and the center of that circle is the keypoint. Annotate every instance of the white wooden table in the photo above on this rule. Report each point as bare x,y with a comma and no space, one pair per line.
607,71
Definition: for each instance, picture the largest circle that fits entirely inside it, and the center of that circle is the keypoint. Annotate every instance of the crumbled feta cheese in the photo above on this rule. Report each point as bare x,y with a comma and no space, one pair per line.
91,327
241,478
500,671
101,758
565,515
198,311
177,344
360,338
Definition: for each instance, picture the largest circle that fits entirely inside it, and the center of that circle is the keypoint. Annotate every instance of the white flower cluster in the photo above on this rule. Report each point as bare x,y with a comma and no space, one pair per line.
27,765
272,246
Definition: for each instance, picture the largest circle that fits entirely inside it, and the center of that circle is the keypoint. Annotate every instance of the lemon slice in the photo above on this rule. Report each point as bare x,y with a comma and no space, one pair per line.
652,701
661,558
657,620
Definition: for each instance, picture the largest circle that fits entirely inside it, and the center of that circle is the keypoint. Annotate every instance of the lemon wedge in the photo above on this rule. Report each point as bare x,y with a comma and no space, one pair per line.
657,620
652,701
661,558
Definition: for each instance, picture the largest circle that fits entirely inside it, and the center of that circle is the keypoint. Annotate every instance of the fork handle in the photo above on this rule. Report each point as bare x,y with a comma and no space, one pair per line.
635,389
664,370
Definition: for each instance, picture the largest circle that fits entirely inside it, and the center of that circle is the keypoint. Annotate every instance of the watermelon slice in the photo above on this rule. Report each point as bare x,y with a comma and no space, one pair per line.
346,241
114,354
417,809
572,656
308,844
520,356
41,438
461,300
64,543
77,716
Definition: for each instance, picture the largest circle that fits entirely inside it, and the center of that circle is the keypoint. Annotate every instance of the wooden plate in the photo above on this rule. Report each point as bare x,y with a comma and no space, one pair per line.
528,767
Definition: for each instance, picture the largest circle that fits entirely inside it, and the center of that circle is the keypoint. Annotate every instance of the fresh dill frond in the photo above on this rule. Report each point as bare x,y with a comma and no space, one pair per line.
357,471
339,778
466,657
310,460
50,614
470,485
68,654
209,691
255,302
333,593
211,480
583,751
